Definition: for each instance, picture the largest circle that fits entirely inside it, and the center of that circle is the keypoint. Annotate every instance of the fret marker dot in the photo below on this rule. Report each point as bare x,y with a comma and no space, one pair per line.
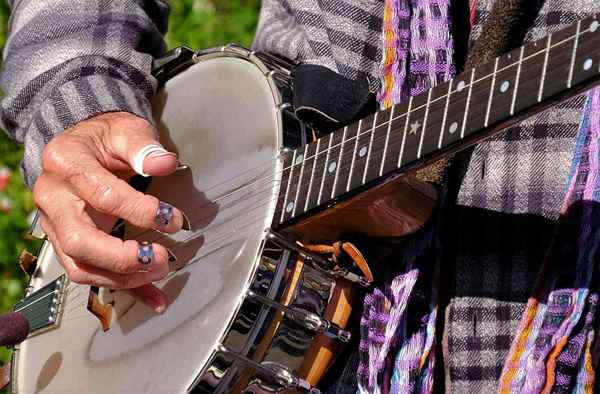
505,86
299,159
289,207
363,151
594,26
461,86
453,128
588,64
332,166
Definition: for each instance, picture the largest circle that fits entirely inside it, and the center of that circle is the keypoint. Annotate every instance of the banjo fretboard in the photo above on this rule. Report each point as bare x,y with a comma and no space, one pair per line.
449,117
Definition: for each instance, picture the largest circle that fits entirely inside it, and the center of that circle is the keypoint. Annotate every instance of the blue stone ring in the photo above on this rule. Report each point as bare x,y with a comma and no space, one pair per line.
164,214
145,253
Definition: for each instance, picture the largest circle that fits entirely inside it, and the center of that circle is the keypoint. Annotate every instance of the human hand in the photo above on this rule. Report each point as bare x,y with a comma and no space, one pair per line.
83,191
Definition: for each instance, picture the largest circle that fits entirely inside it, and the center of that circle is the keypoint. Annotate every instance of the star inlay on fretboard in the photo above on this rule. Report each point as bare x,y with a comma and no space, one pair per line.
414,127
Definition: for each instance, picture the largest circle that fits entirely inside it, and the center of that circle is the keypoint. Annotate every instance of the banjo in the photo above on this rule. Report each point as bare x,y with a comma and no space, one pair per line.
251,308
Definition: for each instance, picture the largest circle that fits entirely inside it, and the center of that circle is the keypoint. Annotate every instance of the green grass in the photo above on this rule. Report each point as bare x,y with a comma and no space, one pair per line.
195,23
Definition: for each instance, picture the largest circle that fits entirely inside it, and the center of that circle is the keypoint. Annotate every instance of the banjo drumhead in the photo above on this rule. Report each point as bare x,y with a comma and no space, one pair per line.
220,116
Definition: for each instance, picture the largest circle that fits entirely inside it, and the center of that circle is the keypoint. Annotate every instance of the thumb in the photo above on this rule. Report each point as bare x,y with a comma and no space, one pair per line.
134,140
153,159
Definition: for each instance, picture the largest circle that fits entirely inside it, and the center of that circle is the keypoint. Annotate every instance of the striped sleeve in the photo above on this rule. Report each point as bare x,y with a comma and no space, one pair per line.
66,61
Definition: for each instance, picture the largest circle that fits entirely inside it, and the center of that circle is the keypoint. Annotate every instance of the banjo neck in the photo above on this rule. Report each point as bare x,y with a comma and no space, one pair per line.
448,118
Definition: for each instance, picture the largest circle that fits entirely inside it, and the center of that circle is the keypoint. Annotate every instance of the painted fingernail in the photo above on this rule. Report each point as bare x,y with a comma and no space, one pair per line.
145,253
187,225
164,214
172,257
152,150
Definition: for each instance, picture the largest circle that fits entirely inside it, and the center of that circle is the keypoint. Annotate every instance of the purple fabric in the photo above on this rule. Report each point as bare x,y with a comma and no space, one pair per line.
559,348
418,48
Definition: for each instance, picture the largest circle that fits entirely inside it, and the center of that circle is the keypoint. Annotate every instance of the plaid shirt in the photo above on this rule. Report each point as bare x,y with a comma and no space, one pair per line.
66,61
88,57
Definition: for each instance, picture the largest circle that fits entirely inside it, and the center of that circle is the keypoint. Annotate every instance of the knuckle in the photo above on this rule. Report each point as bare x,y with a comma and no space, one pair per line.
141,210
122,266
71,244
53,156
76,275
105,198
40,192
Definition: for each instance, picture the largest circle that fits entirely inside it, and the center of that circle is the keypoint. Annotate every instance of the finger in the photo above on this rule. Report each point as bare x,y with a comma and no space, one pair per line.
88,275
135,141
104,191
151,296
79,238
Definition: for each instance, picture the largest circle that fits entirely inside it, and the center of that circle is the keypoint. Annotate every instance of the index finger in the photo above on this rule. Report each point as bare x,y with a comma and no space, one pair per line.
109,194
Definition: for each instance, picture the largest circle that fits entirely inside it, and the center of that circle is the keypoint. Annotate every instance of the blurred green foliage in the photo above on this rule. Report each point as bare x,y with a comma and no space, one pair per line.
195,23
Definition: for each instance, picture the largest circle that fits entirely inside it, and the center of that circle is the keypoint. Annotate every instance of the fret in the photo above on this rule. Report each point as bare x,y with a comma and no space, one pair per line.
309,176
489,106
299,185
424,123
357,138
545,69
587,58
286,178
573,53
559,61
294,184
361,153
407,121
376,159
443,128
370,153
414,131
436,112
480,96
467,105
387,138
334,165
396,136
346,159
325,155
456,107
501,98
517,81
529,80
319,168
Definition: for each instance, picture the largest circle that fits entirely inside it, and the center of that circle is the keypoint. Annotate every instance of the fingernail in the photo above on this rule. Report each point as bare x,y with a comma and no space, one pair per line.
172,257
152,150
181,167
187,225
155,304
145,253
164,214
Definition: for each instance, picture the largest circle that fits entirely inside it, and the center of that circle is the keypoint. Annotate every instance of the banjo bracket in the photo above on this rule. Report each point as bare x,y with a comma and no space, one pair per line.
305,318
325,266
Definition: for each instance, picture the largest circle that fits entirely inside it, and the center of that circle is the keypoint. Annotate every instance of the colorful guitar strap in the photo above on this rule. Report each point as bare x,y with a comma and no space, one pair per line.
556,348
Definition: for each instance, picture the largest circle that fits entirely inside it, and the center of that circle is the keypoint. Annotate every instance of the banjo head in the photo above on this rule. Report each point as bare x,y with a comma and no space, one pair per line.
221,116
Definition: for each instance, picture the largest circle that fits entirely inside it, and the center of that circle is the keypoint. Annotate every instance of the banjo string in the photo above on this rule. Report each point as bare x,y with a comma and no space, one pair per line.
384,124
77,286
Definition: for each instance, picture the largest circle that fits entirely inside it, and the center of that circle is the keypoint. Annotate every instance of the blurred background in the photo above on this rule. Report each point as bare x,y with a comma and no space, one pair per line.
195,23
